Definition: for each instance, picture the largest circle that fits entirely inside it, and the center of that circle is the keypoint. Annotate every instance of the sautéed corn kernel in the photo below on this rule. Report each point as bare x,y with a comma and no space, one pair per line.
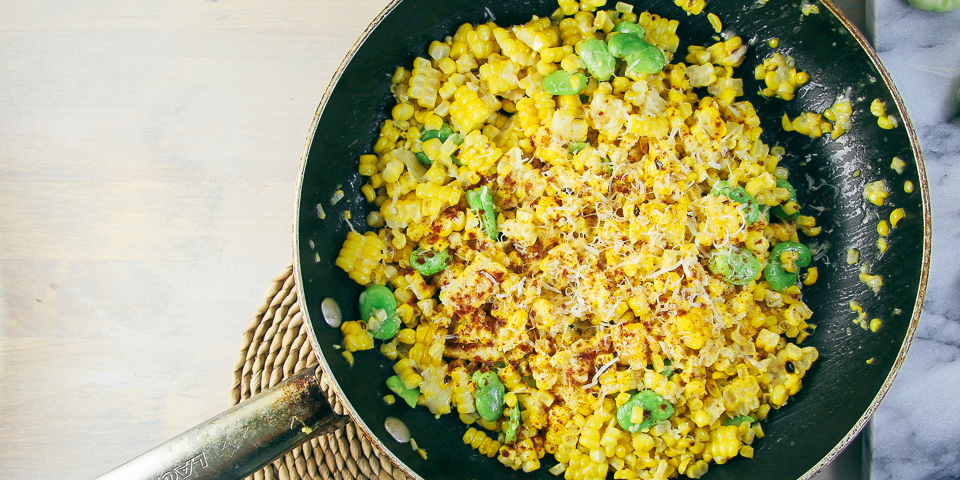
908,186
896,216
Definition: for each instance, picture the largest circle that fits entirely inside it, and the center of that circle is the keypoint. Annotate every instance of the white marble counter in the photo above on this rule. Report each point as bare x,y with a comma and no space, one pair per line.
916,431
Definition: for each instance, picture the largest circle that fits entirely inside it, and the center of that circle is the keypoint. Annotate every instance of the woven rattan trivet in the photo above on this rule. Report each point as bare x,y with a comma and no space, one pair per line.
275,345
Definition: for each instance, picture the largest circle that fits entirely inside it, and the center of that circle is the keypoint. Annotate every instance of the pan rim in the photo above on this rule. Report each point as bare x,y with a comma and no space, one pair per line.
861,40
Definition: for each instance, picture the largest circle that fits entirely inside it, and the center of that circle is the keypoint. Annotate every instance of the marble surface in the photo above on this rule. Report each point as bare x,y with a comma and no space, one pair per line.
916,431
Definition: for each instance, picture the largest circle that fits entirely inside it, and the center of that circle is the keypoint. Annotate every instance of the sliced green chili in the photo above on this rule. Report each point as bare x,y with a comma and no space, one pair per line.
512,425
481,200
738,267
424,159
429,262
488,398
378,307
562,82
778,211
736,421
597,58
409,395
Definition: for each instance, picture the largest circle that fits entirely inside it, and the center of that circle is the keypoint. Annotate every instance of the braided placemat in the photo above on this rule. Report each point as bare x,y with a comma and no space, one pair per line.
275,345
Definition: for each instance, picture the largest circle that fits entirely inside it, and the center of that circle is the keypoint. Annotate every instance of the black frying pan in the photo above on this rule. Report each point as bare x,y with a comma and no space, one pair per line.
839,394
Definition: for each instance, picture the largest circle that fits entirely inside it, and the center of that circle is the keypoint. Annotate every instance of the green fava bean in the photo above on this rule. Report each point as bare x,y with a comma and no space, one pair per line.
409,395
803,253
562,82
488,398
481,200
378,307
659,408
777,277
429,262
575,148
738,267
622,44
777,211
595,55
647,59
629,27
649,401
424,159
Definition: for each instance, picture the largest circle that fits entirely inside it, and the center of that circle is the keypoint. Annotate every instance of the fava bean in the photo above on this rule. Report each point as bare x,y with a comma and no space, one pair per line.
629,27
575,148
803,253
649,401
777,277
621,44
378,307
647,59
429,262
481,200
488,398
738,267
595,55
407,394
562,82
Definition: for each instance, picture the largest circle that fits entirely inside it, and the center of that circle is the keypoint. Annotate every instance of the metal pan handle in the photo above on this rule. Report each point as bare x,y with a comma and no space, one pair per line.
243,439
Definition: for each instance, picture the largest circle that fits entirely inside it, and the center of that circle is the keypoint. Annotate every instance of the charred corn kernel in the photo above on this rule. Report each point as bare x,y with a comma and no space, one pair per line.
896,216
883,228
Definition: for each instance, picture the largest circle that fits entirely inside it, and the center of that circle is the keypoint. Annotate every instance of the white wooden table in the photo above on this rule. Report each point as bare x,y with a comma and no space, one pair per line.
148,161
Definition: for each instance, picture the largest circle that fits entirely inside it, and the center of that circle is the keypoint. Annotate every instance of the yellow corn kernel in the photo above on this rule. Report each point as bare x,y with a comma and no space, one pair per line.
368,165
887,122
898,164
715,22
896,216
883,228
877,108
908,186
875,324
811,276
